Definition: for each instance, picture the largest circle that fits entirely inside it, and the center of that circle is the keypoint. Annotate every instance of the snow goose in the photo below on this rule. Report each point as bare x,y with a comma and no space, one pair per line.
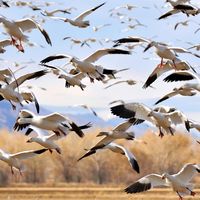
182,76
10,92
187,9
86,65
167,52
142,112
44,139
117,149
188,89
14,160
52,12
179,182
167,66
97,28
55,122
16,28
184,23
79,20
129,82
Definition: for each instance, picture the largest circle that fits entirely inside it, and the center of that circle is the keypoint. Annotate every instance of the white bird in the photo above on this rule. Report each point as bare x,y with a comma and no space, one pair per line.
167,66
129,82
182,76
117,149
180,182
14,160
184,23
55,122
11,91
44,139
86,65
188,89
52,12
79,20
16,28
97,28
187,9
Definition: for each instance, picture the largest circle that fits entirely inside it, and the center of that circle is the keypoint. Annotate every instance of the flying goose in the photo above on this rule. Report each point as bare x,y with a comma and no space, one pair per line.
14,160
180,182
52,12
97,28
11,91
44,139
188,89
182,76
79,20
167,66
55,122
187,9
89,109
16,28
86,65
129,82
184,23
117,149
141,112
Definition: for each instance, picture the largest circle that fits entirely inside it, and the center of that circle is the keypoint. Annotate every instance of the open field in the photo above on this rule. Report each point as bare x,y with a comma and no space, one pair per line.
84,193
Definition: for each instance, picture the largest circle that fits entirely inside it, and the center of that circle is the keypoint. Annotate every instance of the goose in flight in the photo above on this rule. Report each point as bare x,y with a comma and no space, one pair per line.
162,120
87,65
10,91
97,28
44,139
167,66
55,122
182,76
117,149
180,182
188,89
129,82
187,9
79,20
89,109
52,12
14,160
17,28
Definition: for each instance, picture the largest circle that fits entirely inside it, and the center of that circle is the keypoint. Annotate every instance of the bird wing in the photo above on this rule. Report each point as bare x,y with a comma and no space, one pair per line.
6,72
86,13
54,57
124,125
27,154
4,43
146,183
55,117
102,143
29,24
80,76
131,158
40,132
181,76
26,77
187,173
118,82
167,96
157,72
182,50
130,110
169,13
102,52
177,117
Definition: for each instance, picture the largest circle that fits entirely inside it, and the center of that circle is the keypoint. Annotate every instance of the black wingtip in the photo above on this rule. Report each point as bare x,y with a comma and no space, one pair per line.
40,151
187,125
137,187
149,81
29,130
76,129
135,165
90,152
162,99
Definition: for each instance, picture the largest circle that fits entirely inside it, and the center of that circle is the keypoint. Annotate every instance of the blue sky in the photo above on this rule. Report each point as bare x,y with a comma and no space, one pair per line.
57,97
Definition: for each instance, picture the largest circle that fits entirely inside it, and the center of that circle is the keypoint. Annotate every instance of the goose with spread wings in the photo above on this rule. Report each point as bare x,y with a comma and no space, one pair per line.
188,89
11,92
55,122
167,66
129,82
14,160
117,149
17,28
180,182
44,139
87,65
79,20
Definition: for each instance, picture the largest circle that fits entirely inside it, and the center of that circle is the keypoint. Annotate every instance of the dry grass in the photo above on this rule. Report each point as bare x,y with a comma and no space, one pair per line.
85,193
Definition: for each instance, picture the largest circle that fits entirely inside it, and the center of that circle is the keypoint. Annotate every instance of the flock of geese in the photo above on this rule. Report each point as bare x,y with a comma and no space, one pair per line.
55,126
